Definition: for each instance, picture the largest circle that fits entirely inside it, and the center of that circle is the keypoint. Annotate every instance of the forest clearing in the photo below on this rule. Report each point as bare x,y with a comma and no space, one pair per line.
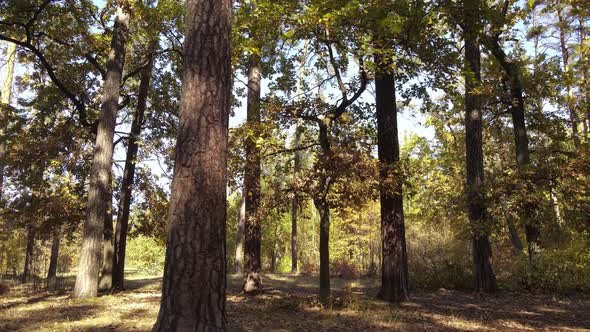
294,165
289,304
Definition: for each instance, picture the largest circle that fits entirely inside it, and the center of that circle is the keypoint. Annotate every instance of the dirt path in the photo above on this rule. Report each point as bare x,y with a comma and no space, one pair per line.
290,304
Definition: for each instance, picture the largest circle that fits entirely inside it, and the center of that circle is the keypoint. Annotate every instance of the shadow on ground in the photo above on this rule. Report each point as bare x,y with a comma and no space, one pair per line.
289,303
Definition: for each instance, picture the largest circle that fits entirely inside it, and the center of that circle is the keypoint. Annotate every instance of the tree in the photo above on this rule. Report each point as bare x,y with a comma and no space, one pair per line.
521,141
295,201
52,270
297,159
253,264
258,41
239,262
105,282
394,264
193,292
5,96
485,279
100,182
562,27
129,175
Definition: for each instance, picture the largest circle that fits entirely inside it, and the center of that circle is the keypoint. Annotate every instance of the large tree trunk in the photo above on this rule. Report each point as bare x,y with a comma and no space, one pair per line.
99,190
129,175
52,271
5,96
193,292
253,263
239,263
31,233
394,269
485,278
521,140
108,251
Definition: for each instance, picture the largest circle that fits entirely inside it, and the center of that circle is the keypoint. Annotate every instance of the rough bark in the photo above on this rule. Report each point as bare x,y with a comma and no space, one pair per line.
108,250
27,270
253,263
239,263
394,268
5,96
194,285
129,175
99,189
484,277
52,271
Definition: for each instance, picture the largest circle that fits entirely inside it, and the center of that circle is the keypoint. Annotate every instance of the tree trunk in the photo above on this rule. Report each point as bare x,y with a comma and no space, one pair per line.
15,267
394,269
485,279
239,263
5,96
324,211
585,81
253,264
273,258
194,285
514,238
556,209
294,207
521,140
52,271
2,252
570,101
295,202
106,274
323,207
98,192
297,162
129,175
31,232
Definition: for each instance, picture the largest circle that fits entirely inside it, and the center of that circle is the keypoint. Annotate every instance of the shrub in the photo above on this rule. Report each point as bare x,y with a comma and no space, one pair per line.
438,259
307,267
146,254
345,269
564,269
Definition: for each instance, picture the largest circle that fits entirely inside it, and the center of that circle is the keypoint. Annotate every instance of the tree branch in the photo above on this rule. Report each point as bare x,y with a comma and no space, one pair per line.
78,104
300,148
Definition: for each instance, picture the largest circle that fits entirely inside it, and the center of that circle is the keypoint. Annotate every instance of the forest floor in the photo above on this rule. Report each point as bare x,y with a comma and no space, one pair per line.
289,303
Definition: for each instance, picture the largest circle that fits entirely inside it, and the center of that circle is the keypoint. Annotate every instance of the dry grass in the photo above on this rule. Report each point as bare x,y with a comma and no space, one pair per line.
290,304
